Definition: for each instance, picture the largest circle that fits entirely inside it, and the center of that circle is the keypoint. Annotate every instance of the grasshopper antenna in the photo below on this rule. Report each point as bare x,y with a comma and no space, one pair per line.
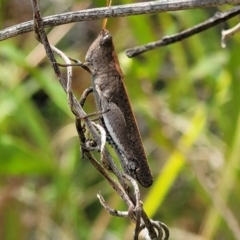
108,4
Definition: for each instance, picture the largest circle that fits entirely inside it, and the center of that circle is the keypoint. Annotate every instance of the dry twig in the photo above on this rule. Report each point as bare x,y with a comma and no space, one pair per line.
155,230
211,22
113,11
226,34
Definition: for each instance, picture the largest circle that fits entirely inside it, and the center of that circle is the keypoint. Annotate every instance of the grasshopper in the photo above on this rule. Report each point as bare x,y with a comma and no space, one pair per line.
111,97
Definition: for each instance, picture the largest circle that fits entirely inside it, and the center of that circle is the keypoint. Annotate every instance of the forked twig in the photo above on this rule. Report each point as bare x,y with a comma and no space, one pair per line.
131,198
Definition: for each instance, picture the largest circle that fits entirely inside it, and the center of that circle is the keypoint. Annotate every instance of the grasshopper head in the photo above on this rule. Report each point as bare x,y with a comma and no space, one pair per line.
101,55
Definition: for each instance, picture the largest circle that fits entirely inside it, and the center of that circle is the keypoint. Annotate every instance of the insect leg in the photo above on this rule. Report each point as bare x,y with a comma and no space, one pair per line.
85,95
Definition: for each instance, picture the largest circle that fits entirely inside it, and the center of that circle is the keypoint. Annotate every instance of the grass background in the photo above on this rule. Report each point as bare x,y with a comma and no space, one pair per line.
186,100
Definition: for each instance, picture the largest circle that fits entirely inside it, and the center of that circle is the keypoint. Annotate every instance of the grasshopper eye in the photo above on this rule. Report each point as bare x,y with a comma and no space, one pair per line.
107,39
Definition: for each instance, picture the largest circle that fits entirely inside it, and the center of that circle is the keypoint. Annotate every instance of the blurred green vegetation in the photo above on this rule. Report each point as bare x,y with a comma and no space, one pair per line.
186,99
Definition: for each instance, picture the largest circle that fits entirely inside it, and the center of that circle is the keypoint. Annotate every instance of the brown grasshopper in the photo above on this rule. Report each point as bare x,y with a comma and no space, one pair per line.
111,97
